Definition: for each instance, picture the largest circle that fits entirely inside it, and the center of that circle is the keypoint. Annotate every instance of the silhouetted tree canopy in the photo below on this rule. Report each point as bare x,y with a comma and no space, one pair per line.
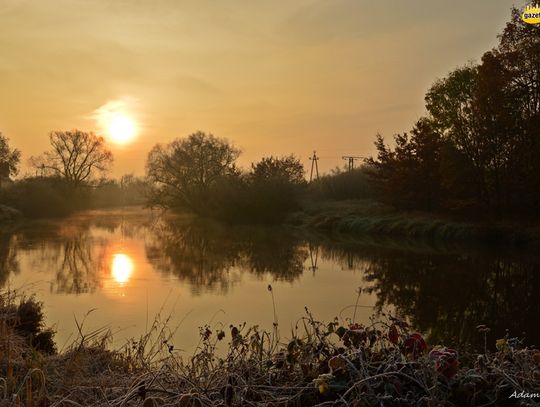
409,175
479,144
271,190
212,257
76,156
185,170
287,169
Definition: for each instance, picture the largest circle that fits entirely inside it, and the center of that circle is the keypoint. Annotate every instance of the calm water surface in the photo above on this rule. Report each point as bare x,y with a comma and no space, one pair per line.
127,266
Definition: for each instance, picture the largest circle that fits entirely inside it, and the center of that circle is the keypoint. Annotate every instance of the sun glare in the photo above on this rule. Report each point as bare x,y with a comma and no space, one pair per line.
122,129
116,119
122,268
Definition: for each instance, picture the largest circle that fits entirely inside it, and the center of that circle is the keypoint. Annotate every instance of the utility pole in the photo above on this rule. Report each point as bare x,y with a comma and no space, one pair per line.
314,256
314,165
351,160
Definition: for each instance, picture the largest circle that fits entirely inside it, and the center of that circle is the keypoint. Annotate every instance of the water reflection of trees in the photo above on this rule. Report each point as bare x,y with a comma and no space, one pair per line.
275,252
443,291
8,258
75,250
69,253
79,261
212,257
191,252
450,296
449,293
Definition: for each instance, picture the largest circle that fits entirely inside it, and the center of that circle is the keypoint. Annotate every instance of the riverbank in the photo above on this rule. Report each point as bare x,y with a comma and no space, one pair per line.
361,218
365,217
337,363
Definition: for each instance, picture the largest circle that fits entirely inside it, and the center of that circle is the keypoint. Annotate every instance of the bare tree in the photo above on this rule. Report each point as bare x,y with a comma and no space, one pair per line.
75,155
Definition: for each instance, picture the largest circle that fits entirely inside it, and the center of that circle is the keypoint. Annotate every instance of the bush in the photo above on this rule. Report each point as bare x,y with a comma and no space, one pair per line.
343,185
27,320
112,193
267,194
45,197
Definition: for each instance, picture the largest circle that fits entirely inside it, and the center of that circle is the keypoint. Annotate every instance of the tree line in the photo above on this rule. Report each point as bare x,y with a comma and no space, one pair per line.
476,151
197,174
68,177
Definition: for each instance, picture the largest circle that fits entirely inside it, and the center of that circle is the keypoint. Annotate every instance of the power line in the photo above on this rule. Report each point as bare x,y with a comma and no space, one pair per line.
351,160
314,257
314,165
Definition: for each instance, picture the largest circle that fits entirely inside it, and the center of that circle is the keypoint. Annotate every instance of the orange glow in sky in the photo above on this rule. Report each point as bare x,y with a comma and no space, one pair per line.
274,78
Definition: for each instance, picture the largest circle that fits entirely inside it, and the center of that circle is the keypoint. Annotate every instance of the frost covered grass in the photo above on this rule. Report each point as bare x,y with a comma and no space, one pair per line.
341,363
366,217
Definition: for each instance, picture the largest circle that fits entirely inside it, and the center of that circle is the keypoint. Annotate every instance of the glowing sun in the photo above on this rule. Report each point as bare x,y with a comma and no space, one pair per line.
121,129
116,120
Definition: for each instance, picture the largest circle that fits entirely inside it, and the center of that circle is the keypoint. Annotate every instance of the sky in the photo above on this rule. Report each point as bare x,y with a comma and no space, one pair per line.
273,77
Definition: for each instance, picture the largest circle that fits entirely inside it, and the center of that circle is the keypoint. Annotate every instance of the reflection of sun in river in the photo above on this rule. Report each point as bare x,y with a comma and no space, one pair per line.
122,268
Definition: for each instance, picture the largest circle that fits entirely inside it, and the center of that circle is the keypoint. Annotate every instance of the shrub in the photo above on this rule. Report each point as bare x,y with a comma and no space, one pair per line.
28,321
343,185
40,197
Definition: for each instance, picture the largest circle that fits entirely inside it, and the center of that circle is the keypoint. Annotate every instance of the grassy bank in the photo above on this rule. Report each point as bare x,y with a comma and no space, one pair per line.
364,217
384,363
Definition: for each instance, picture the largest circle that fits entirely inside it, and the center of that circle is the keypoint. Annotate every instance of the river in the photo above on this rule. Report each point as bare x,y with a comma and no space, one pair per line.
127,270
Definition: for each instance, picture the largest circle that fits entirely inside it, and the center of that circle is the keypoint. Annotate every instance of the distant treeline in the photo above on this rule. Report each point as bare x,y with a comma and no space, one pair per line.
475,152
52,197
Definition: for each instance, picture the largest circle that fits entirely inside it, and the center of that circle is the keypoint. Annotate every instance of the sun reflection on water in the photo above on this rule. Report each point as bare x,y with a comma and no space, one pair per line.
122,268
